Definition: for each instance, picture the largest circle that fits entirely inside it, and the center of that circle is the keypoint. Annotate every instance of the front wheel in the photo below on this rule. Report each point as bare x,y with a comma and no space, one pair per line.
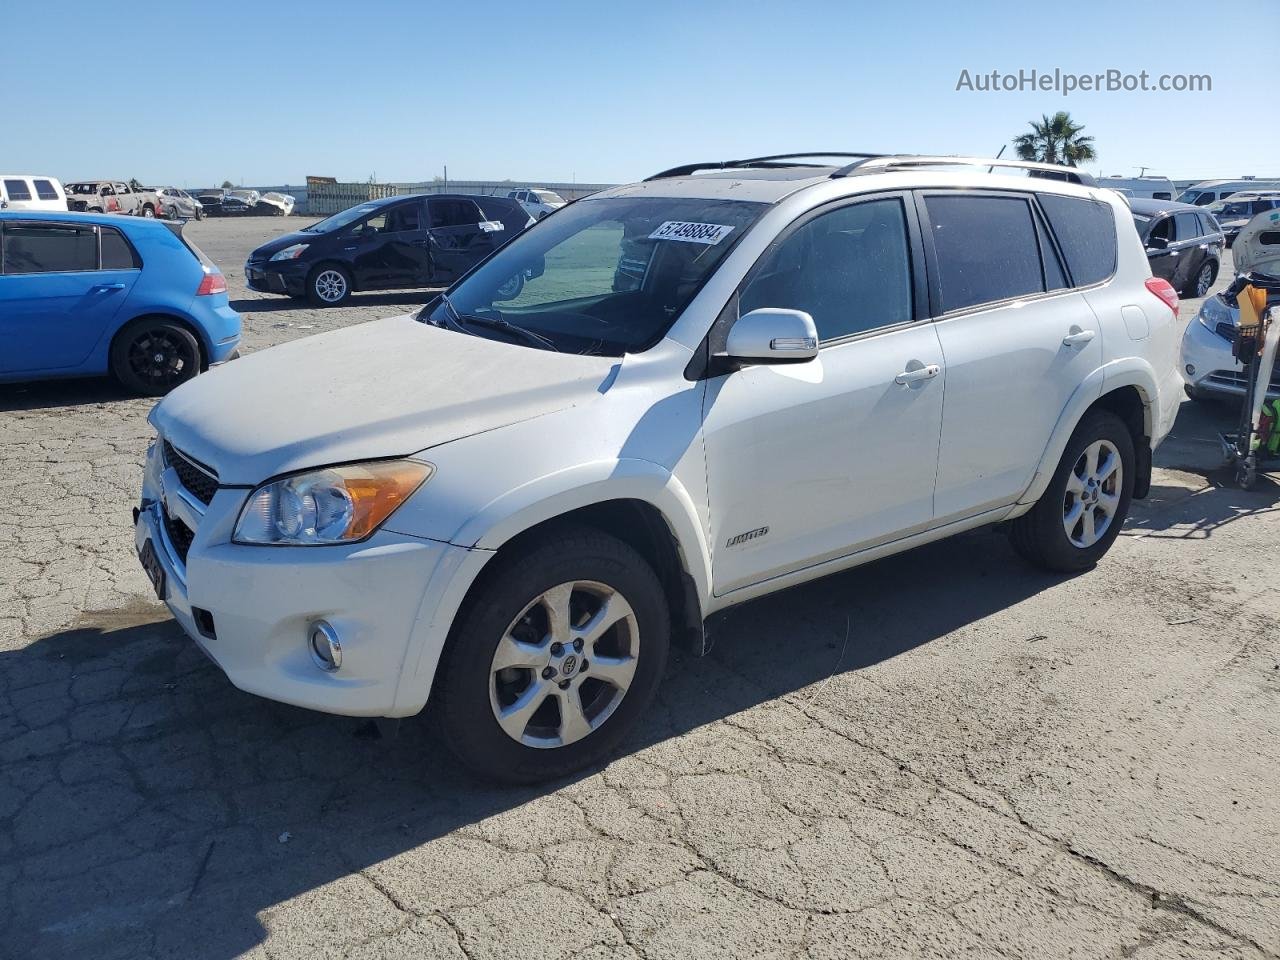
555,656
328,286
1079,515
151,356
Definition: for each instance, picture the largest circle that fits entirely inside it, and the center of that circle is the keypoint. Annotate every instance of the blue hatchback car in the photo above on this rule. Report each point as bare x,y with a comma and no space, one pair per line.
92,294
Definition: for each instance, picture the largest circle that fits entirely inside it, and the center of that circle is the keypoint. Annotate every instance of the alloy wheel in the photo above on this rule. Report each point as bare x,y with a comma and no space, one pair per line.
160,360
1204,280
564,664
1093,494
331,286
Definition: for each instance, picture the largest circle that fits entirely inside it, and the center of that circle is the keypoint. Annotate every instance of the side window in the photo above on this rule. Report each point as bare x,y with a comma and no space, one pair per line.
45,190
850,269
1054,276
986,248
371,225
1161,195
46,248
1086,232
1203,199
1207,224
117,254
1186,226
1162,230
454,213
407,217
17,189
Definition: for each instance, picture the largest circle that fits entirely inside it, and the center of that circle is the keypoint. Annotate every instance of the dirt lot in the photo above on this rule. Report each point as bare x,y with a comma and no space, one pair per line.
942,753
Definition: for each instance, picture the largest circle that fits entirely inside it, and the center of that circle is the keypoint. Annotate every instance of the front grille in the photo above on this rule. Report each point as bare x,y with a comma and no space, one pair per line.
180,535
1226,330
1240,380
201,481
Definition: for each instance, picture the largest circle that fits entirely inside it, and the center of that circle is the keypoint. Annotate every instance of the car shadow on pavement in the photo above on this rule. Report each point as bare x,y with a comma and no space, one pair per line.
149,808
51,394
393,298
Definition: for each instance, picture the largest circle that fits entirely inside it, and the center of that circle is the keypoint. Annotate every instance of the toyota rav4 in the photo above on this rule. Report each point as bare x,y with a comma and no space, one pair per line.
667,399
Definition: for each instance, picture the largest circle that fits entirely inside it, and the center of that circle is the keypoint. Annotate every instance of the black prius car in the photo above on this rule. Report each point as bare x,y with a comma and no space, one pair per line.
1184,243
389,244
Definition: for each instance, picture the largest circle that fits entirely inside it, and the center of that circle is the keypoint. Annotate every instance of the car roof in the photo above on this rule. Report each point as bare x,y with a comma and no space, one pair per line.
1150,208
128,224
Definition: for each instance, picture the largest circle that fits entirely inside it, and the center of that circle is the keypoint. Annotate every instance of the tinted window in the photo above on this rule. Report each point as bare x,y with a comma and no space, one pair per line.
1203,199
49,249
1187,226
46,190
986,249
17,189
1161,196
454,213
849,269
1162,230
1208,224
1086,232
407,217
117,254
1055,278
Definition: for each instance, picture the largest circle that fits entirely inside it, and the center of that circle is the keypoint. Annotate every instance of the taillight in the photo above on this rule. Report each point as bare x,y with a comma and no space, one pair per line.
213,282
1164,290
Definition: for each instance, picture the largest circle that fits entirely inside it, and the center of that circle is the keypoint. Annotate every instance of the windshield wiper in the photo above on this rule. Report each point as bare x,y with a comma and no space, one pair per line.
497,323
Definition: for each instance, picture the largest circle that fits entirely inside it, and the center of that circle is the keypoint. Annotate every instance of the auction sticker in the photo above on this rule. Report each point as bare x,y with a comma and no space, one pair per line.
708,233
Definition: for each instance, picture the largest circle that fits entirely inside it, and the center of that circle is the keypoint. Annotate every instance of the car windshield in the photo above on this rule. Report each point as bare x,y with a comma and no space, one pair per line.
83,188
546,196
607,276
340,220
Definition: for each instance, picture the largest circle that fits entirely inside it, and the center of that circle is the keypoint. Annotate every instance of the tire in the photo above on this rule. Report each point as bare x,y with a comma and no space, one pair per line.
172,213
328,285
1198,286
199,213
1041,535
152,355
149,212
511,288
584,568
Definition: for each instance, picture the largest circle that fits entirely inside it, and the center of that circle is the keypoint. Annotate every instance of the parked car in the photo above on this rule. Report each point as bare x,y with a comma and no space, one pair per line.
397,242
177,204
23,192
211,202
111,196
1242,207
1184,244
1150,188
1209,191
537,203
273,204
240,201
89,294
513,504
1209,368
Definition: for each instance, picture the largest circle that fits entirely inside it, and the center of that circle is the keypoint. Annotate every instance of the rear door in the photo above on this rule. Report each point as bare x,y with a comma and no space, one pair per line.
1016,342
1162,252
1192,247
457,238
57,297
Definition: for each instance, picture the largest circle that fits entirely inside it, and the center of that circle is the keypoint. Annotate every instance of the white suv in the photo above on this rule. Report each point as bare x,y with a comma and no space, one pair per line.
537,203
707,387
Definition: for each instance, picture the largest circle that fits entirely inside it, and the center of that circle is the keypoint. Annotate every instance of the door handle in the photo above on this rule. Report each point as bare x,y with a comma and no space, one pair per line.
1078,337
104,287
907,377
348,248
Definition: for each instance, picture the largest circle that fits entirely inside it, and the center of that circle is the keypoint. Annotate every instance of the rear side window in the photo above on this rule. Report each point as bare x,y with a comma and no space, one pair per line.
117,254
17,189
986,248
46,190
1186,226
49,248
454,213
1086,232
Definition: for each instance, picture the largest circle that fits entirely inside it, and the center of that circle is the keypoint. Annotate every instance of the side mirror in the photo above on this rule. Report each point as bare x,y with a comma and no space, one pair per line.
770,335
1157,243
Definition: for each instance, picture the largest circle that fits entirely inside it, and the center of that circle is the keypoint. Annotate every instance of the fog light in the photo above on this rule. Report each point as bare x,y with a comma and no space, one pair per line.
1191,369
326,650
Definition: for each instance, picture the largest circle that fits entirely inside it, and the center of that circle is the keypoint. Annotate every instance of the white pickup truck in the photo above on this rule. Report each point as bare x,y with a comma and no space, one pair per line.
111,196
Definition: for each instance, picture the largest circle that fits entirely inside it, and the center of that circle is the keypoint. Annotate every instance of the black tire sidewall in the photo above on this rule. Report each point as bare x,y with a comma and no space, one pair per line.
464,712
314,298
119,358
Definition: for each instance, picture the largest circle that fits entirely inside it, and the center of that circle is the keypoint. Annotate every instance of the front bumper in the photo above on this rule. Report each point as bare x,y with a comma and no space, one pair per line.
1217,373
278,276
250,609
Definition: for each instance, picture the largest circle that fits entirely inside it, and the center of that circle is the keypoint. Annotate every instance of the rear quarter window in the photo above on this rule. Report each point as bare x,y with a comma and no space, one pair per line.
45,190
117,252
1086,232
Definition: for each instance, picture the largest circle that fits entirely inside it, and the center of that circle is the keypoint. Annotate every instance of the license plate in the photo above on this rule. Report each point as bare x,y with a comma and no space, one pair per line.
151,565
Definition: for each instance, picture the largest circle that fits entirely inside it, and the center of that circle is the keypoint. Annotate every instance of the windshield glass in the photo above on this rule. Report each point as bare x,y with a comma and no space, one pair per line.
546,196
1237,209
605,276
83,188
340,220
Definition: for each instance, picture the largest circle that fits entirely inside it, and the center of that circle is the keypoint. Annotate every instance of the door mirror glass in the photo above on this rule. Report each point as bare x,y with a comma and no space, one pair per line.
771,335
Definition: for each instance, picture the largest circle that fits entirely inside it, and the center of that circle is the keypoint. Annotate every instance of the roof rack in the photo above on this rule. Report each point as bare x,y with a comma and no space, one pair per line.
767,162
1049,171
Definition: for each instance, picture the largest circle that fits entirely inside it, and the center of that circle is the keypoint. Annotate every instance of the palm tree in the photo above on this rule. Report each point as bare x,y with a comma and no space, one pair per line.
1056,139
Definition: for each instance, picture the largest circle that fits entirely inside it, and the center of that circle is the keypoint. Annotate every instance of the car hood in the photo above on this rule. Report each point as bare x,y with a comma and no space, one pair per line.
382,389
1257,246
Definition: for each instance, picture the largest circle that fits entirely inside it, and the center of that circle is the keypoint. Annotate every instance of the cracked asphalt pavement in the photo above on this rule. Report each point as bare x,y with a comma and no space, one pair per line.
945,753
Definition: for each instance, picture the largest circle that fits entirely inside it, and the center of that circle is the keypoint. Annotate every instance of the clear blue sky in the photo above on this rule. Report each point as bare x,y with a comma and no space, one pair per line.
268,92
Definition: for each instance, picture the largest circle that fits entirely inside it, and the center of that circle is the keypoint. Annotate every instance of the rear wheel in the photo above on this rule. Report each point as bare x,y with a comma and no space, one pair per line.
554,658
1079,515
151,356
328,286
149,212
1203,280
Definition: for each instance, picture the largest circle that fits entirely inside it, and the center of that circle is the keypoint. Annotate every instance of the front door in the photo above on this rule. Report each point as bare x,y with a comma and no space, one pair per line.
55,302
813,462
1162,252
459,236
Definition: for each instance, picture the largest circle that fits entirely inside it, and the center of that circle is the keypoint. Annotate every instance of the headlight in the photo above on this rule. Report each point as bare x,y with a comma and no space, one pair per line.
332,505
290,253
1214,312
